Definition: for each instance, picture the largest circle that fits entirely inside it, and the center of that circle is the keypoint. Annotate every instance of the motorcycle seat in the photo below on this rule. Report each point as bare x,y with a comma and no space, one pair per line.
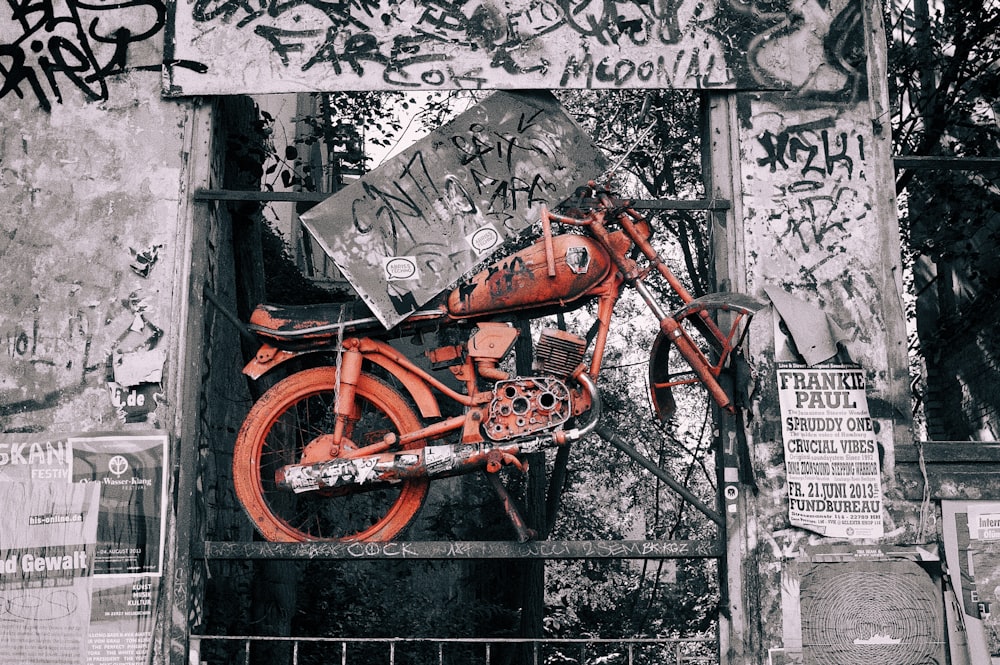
302,322
297,321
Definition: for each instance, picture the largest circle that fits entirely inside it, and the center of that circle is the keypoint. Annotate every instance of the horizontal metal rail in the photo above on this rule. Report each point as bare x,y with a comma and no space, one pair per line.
947,163
316,197
537,549
467,651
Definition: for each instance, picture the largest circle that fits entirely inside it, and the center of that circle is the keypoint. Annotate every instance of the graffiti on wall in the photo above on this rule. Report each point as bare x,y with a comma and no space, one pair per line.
820,163
49,48
814,48
811,190
56,343
46,355
508,44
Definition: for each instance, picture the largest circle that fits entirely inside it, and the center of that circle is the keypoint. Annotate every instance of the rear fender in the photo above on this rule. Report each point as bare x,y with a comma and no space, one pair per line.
269,357
700,312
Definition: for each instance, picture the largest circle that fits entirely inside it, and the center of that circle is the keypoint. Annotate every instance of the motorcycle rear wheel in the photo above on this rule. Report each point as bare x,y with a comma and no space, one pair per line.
295,411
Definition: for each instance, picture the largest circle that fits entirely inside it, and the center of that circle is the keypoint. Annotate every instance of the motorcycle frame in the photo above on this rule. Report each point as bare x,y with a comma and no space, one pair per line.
375,464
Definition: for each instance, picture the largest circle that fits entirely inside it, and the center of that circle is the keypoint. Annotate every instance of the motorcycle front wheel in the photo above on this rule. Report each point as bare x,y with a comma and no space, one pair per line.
291,414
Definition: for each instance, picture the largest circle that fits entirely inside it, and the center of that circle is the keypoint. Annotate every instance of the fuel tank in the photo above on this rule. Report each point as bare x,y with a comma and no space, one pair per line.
521,280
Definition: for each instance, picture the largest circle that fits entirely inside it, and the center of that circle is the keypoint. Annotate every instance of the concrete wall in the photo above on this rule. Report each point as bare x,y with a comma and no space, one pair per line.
506,44
816,215
91,255
95,232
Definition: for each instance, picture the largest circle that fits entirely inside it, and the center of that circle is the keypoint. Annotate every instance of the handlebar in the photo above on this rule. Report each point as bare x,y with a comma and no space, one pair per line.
590,201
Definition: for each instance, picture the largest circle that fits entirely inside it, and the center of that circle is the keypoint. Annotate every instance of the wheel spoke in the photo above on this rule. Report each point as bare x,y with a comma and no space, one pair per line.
297,411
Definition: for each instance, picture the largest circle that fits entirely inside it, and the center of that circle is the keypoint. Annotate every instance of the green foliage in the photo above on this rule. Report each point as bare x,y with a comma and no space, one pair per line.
335,138
942,77
387,599
654,135
653,141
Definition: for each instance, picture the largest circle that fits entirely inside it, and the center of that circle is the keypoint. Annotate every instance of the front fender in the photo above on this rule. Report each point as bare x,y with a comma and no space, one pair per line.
268,357
660,396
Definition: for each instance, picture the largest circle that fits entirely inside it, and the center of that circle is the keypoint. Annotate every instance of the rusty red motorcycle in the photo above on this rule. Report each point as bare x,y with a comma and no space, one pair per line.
346,450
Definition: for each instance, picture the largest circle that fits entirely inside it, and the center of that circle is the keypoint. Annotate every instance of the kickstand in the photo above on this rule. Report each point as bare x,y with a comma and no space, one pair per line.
524,534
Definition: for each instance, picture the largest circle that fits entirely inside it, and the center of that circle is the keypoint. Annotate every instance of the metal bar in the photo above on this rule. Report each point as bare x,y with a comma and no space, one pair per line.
524,534
461,640
690,204
257,195
950,452
947,163
584,645
227,314
621,444
204,194
540,549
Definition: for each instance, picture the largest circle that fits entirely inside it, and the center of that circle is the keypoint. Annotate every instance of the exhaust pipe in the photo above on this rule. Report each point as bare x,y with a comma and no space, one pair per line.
575,434
450,459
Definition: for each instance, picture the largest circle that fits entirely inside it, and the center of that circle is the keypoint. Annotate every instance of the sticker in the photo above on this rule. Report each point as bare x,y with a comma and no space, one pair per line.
484,239
365,469
332,475
301,479
407,460
438,458
578,260
399,268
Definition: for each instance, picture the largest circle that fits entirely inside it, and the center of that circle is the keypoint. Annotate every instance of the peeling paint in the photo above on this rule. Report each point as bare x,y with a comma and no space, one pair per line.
78,219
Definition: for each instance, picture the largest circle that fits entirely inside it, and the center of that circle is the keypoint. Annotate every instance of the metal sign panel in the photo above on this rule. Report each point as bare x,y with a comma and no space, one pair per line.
407,230
230,47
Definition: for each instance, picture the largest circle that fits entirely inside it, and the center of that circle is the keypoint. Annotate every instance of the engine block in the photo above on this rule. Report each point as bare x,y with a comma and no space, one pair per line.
526,405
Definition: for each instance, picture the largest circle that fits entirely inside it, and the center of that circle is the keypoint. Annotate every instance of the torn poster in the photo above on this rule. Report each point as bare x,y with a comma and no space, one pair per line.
814,334
971,532
46,568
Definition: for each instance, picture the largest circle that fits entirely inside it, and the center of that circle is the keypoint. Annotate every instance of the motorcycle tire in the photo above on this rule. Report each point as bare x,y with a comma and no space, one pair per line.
295,411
